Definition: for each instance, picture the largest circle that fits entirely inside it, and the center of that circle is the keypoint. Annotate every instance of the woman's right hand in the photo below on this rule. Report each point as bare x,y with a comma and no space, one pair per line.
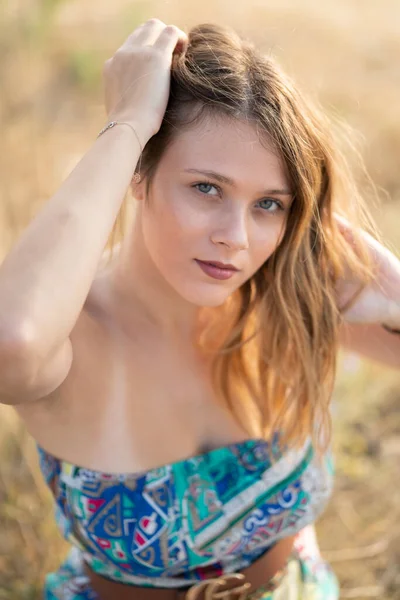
137,77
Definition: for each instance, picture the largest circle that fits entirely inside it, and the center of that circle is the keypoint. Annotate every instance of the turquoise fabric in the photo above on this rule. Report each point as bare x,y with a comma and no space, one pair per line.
180,523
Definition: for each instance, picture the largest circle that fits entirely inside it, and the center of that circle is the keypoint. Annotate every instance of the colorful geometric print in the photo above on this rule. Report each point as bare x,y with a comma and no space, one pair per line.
204,516
306,577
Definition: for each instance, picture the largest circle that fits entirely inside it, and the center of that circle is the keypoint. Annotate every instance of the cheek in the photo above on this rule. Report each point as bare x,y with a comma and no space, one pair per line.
171,227
180,215
265,242
185,215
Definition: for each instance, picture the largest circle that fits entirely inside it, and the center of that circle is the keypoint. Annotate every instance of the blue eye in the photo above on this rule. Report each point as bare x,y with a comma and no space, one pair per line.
278,204
206,184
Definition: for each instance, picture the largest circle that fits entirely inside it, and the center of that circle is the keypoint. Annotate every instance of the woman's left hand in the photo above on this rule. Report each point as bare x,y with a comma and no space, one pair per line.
380,300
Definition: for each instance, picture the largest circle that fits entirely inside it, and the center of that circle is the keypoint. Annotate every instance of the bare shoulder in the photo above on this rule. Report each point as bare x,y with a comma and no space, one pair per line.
86,340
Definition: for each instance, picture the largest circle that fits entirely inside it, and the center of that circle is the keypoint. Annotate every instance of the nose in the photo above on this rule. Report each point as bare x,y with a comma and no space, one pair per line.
232,231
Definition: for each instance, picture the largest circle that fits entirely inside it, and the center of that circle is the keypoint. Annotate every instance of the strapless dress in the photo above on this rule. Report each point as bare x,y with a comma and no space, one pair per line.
204,516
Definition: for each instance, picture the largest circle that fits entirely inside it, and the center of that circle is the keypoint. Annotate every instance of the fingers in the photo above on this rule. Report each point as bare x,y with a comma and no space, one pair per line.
172,39
147,33
167,38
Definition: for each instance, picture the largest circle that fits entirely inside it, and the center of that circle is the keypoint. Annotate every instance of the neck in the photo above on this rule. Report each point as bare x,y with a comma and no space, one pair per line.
141,292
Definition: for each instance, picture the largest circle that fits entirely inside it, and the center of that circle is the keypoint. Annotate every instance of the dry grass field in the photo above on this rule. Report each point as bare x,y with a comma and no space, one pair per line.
344,53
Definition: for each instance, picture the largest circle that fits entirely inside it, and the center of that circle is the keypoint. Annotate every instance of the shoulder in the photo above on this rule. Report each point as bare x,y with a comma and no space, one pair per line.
80,351
89,349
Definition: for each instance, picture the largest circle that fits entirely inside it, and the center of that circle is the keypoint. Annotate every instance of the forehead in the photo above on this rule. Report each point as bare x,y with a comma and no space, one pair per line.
230,146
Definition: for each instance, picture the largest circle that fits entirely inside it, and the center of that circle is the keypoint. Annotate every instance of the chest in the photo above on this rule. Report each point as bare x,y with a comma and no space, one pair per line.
130,405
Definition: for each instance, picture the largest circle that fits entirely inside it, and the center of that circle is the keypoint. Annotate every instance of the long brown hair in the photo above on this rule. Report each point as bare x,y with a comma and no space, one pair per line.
276,366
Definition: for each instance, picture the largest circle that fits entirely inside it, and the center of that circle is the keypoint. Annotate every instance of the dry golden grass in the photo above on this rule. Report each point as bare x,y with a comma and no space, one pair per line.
343,52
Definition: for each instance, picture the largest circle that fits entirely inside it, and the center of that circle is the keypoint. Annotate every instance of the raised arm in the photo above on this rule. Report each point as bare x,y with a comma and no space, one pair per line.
46,277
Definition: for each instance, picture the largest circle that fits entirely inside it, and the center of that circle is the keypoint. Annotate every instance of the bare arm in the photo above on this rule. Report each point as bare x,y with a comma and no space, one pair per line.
45,278
373,342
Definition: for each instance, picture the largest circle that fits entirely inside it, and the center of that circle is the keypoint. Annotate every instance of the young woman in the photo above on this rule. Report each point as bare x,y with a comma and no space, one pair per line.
179,393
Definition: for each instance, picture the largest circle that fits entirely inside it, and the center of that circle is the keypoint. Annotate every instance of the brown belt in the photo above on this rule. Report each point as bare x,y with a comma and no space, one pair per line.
238,585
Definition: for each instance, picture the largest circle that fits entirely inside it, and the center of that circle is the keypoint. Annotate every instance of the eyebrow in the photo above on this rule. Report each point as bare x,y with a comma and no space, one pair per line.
224,179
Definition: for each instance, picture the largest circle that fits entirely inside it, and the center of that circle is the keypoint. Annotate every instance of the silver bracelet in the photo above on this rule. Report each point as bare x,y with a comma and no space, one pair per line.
136,177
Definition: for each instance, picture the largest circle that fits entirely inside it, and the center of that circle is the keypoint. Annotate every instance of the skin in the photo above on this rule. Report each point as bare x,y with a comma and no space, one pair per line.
151,297
133,349
157,292
241,224
238,223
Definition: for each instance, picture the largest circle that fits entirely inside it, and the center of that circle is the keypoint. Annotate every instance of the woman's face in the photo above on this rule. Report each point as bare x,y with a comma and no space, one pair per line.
236,216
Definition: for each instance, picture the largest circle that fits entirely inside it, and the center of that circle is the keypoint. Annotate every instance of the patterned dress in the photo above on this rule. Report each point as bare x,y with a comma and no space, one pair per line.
201,517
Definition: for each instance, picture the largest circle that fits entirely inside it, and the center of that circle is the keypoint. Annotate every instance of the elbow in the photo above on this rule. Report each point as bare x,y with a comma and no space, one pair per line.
18,366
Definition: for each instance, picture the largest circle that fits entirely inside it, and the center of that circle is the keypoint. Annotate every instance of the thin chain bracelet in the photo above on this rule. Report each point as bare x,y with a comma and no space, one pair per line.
136,177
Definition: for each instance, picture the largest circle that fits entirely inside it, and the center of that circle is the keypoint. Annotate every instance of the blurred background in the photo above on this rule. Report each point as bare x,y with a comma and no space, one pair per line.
343,53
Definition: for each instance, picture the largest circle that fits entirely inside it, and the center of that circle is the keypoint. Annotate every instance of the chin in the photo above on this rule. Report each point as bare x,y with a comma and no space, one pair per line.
206,297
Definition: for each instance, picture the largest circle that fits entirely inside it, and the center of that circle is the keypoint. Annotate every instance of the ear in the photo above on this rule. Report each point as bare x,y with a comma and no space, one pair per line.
138,189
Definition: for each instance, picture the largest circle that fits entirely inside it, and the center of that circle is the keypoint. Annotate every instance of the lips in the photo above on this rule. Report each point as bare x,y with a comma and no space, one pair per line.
212,269
220,265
